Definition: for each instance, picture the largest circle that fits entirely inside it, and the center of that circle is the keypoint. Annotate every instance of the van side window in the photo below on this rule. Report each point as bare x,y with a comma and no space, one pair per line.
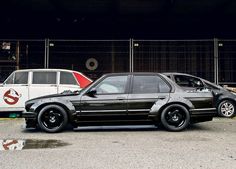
18,78
67,78
44,77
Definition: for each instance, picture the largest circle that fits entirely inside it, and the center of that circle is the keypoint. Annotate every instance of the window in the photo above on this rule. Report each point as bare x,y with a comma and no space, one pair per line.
188,81
112,85
18,78
67,78
149,84
44,77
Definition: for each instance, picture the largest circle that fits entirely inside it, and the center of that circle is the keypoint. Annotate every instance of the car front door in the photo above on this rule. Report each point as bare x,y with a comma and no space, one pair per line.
145,91
109,98
14,92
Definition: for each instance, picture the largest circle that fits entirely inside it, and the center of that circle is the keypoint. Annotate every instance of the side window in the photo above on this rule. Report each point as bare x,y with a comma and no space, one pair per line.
67,78
111,84
18,78
188,81
10,80
44,77
149,84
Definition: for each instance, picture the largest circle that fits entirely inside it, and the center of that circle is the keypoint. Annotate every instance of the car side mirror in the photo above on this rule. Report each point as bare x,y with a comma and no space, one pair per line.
92,92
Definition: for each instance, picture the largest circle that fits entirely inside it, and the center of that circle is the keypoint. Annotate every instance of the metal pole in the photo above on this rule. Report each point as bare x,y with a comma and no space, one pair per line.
46,54
131,55
17,55
216,61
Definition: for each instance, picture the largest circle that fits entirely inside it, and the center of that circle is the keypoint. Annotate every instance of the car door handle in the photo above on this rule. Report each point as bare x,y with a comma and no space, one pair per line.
120,98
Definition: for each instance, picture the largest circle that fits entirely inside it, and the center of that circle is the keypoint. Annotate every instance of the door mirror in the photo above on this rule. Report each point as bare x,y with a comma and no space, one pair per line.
92,92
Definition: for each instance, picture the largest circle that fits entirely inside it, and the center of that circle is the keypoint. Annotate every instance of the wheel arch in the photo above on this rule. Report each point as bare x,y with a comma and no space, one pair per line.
68,108
160,110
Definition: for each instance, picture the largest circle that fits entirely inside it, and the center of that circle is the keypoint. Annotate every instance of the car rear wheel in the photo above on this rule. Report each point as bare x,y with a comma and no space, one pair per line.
175,117
52,118
226,109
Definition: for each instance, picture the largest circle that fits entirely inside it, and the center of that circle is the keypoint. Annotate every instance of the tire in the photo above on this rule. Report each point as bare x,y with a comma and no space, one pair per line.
175,117
226,108
52,118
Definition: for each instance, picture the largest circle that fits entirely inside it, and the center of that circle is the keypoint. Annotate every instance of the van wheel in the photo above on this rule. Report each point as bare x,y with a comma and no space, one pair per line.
175,117
52,118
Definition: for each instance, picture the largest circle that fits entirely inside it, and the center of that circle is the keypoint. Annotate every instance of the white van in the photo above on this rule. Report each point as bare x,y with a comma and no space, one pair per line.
23,85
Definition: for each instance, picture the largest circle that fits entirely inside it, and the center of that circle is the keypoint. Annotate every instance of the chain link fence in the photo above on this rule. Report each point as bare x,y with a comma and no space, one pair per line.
212,59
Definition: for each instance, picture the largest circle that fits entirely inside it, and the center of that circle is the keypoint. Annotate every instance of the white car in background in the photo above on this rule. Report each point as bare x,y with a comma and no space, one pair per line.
23,85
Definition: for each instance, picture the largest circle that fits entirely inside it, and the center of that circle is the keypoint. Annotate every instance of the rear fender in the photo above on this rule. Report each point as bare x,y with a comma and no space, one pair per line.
160,105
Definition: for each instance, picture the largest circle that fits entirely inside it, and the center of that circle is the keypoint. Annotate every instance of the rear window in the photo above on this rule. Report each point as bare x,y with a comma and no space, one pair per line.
44,77
67,78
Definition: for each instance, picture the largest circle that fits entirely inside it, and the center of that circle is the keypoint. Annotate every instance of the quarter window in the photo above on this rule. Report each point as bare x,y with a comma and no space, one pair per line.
44,77
67,78
112,85
18,78
149,84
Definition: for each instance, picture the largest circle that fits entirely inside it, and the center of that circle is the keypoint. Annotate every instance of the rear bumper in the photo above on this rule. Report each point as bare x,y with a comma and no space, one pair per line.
203,112
202,115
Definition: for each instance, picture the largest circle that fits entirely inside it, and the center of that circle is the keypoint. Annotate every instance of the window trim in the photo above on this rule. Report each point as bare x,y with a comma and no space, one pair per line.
126,86
157,75
32,77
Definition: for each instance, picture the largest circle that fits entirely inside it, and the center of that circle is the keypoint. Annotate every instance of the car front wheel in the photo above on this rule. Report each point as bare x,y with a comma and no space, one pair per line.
175,117
52,118
226,109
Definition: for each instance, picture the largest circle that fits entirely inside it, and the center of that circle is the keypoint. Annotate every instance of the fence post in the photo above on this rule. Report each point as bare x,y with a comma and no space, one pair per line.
216,61
17,55
131,55
46,54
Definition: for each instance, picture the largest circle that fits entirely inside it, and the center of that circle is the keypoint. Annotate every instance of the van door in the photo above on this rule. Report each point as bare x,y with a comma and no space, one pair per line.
14,92
43,83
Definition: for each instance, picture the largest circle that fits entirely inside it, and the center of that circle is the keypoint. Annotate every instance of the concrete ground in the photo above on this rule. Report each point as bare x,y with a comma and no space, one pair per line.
210,145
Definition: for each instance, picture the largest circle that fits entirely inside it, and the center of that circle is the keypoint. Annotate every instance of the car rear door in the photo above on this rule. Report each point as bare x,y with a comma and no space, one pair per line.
144,92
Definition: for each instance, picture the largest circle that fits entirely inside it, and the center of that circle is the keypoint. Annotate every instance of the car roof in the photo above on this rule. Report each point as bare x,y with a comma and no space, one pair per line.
132,73
53,70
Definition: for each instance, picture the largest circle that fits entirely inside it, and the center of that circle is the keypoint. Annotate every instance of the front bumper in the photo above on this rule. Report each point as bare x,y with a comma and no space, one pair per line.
29,115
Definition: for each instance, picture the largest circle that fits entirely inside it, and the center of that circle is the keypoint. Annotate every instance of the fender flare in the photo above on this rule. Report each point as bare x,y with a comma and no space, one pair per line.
159,105
66,104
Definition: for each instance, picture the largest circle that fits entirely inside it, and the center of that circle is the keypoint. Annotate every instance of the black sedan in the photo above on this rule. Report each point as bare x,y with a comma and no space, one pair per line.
123,98
226,100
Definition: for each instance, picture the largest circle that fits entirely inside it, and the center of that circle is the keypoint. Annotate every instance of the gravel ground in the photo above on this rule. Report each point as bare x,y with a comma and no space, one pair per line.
205,145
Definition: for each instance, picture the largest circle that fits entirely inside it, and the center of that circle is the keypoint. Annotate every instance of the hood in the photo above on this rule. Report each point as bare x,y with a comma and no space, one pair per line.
61,95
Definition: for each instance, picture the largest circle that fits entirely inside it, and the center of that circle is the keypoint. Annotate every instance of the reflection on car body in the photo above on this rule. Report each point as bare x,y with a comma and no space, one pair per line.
131,98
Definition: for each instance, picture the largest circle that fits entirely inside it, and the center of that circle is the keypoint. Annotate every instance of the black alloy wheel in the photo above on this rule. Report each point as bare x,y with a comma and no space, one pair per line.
175,117
226,109
52,118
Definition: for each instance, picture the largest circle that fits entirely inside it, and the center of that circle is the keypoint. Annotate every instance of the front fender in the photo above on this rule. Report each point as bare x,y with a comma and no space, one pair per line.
61,102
